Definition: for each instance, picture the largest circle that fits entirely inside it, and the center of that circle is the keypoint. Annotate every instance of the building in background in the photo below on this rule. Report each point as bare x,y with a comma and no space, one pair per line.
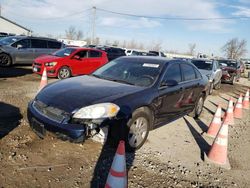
10,27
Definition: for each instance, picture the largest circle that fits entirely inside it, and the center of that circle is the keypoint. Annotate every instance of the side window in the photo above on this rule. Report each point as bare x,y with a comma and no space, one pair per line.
173,73
25,43
54,45
188,72
37,43
82,54
93,53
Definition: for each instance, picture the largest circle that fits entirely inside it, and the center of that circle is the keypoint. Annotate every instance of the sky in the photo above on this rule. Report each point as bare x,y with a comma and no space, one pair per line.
46,17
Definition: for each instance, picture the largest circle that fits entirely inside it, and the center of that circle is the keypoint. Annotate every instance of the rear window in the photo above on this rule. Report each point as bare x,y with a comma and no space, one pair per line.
54,44
94,53
37,43
205,65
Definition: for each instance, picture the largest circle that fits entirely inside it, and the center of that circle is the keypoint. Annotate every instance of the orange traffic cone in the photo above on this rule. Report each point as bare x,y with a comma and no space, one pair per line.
215,125
229,115
246,100
44,80
238,108
218,151
117,177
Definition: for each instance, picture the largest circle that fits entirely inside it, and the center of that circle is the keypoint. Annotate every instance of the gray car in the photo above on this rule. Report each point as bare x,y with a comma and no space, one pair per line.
212,70
24,49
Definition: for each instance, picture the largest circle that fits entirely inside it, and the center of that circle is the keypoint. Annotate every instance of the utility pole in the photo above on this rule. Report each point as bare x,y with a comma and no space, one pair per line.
93,25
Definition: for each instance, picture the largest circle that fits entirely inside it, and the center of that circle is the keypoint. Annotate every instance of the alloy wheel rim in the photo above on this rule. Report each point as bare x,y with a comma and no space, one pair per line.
137,132
4,60
64,73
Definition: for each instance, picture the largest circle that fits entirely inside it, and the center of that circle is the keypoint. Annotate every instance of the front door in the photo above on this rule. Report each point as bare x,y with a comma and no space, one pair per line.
170,98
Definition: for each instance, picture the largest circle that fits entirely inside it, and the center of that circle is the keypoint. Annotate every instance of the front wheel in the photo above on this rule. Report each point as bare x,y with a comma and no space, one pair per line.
198,107
211,88
63,73
218,85
5,60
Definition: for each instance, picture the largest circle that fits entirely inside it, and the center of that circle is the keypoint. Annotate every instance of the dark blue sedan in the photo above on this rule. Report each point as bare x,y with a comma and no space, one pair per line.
129,95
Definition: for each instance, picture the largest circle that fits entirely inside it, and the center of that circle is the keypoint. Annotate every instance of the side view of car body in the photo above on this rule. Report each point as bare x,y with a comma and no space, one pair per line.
70,62
231,70
113,52
212,70
130,95
24,49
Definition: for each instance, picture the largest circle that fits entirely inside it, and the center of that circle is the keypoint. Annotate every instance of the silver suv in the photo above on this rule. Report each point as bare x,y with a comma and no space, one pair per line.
24,49
212,70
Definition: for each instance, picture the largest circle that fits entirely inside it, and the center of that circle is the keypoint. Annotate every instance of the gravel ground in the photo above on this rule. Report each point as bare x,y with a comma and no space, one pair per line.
173,156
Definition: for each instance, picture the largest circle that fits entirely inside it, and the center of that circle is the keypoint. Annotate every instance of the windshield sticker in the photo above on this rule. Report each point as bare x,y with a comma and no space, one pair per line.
66,54
150,65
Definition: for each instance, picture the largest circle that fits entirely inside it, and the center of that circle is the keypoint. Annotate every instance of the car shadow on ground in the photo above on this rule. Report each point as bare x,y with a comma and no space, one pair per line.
202,125
103,165
216,105
8,72
227,100
9,118
203,145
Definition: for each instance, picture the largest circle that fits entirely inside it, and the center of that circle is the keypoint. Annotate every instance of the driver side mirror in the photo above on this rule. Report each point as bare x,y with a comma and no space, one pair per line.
77,57
169,83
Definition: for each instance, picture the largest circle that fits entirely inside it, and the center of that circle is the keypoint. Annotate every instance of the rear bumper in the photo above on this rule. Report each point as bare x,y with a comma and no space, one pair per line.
72,131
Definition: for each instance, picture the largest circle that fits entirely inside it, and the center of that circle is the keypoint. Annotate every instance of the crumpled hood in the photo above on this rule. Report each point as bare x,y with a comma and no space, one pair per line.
74,93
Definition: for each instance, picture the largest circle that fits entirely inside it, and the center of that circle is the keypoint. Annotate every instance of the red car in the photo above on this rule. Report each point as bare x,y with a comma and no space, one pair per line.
70,62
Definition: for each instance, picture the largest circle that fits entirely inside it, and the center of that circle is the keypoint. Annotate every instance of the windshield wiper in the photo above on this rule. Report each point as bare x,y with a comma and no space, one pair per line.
122,81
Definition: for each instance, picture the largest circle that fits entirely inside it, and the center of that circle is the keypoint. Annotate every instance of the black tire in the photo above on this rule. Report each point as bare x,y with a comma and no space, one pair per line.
218,85
64,72
211,88
198,107
116,135
5,60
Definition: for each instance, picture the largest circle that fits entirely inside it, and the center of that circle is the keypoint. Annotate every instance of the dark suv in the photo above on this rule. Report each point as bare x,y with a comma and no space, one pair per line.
24,49
113,52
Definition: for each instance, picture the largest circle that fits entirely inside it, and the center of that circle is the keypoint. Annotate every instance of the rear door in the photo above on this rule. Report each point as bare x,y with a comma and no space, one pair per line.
170,98
191,86
40,47
217,72
53,46
22,52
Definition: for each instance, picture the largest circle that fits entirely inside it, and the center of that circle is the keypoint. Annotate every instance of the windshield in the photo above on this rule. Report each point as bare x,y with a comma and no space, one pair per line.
64,52
228,63
8,40
205,65
130,71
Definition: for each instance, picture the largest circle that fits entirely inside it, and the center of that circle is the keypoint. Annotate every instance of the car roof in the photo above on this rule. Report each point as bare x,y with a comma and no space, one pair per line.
84,48
32,37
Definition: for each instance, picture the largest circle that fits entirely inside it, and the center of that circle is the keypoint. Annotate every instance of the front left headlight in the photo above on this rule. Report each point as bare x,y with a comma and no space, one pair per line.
208,76
97,111
50,64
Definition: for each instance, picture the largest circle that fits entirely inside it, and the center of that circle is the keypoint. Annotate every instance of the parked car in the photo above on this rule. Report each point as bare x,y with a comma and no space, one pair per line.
70,62
24,49
247,64
130,96
161,54
230,70
113,52
212,70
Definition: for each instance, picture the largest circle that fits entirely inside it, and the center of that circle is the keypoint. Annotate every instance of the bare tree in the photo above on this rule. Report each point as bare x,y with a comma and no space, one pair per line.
132,44
156,46
71,33
88,40
124,45
141,46
97,41
116,43
235,48
79,35
191,48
